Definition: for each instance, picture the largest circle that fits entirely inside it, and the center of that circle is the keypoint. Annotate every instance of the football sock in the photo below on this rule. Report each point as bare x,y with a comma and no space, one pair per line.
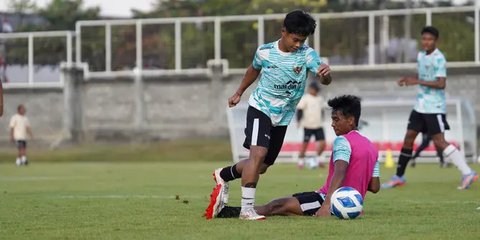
248,197
24,159
405,155
230,173
452,154
229,212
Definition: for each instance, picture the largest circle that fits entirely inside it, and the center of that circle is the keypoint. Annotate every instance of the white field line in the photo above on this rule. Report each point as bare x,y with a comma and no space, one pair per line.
38,178
120,196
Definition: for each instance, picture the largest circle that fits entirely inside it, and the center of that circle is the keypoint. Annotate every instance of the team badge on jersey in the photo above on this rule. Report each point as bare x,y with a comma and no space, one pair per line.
297,70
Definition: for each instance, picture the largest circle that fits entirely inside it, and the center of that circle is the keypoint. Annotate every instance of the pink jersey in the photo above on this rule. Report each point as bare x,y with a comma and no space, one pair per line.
363,157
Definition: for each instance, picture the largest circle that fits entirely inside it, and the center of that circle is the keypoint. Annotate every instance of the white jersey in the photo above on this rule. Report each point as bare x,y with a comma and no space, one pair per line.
19,124
312,111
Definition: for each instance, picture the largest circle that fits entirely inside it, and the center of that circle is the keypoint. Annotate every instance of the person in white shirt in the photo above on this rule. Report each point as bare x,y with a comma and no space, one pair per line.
309,116
19,129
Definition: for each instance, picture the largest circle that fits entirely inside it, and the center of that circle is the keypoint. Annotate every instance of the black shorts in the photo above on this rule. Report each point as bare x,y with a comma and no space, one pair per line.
310,202
317,133
429,123
261,132
21,143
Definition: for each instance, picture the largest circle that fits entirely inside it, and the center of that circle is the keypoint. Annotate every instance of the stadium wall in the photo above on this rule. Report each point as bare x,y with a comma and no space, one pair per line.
178,106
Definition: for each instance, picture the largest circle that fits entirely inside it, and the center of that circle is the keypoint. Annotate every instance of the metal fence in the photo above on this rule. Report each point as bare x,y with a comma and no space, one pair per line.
350,41
32,59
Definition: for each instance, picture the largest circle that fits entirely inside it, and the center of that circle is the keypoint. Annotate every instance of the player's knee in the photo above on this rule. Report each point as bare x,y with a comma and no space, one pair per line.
440,143
263,168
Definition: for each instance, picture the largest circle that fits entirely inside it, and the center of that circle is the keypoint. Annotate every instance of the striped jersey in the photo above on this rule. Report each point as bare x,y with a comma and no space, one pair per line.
430,67
283,79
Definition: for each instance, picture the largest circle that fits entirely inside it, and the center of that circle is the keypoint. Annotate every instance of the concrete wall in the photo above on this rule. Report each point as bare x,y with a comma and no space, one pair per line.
181,106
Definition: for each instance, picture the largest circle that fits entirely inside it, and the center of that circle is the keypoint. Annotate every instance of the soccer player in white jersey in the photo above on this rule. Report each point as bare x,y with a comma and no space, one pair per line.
19,129
309,116
284,65
429,113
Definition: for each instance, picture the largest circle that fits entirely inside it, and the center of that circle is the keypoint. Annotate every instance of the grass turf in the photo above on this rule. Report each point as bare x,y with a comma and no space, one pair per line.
165,200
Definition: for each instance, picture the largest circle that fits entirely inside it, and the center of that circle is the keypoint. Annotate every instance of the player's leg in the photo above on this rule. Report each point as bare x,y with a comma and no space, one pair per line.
437,126
306,203
24,153
277,135
320,137
425,142
19,153
416,124
307,133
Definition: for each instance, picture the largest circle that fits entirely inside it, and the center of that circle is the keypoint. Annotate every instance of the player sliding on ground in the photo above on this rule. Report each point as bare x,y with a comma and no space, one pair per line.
284,65
429,113
353,163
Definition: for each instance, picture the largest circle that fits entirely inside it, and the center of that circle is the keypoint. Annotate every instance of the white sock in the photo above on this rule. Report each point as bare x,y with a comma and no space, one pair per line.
18,161
248,197
318,159
24,159
452,154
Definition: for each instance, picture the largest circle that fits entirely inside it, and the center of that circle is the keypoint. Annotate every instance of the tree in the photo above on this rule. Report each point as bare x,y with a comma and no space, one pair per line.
63,14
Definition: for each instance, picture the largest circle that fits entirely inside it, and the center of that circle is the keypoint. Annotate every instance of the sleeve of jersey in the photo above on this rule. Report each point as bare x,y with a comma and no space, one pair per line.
440,67
302,104
257,60
376,170
313,61
341,149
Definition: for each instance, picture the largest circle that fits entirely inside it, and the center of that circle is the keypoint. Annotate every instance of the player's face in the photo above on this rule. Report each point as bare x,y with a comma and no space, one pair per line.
22,111
291,41
312,91
428,42
342,124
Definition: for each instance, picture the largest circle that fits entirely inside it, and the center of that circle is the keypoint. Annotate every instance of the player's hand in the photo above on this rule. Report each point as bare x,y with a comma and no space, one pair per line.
323,70
324,211
234,100
401,81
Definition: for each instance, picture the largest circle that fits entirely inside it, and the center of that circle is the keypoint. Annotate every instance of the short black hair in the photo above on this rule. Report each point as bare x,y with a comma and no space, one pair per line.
349,105
431,30
299,22
314,85
20,106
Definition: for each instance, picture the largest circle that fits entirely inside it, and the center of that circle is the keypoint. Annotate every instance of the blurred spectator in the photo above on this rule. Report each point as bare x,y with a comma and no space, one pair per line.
6,26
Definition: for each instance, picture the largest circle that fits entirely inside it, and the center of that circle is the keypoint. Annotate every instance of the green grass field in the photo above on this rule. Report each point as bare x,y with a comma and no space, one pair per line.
164,197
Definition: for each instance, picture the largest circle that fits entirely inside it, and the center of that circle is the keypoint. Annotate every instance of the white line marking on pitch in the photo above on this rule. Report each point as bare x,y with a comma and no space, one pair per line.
126,196
36,178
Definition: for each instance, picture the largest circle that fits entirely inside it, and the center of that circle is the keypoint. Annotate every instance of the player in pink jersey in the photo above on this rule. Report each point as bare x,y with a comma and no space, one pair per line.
353,163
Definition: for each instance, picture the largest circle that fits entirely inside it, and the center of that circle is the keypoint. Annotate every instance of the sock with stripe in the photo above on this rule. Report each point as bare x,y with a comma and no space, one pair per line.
452,154
230,173
248,197
405,156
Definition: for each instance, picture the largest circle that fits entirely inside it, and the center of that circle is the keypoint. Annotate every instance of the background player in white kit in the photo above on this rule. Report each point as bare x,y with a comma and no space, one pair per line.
310,117
19,129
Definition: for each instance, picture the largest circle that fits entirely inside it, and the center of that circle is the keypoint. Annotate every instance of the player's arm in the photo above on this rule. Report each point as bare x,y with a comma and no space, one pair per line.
250,77
374,185
29,130
441,83
340,169
318,67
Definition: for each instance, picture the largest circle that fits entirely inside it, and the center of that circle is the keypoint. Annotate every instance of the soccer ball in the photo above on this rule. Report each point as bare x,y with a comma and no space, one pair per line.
346,203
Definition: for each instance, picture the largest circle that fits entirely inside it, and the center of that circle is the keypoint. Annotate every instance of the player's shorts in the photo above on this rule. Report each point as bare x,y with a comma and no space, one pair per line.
317,133
430,123
310,202
261,132
21,143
